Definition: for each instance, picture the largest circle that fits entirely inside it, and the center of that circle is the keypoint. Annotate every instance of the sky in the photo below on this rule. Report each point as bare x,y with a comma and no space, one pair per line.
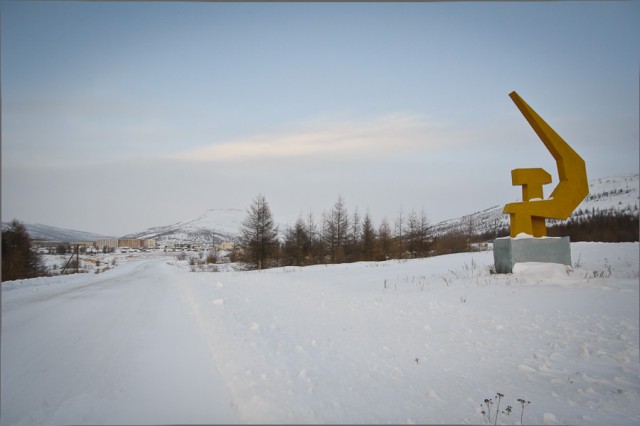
120,116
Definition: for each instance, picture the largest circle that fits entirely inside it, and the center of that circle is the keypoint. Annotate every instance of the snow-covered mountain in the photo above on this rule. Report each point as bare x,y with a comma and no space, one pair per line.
41,232
615,194
213,226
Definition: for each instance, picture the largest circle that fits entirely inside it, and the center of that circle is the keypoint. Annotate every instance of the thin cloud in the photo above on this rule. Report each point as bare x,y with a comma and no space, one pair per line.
377,137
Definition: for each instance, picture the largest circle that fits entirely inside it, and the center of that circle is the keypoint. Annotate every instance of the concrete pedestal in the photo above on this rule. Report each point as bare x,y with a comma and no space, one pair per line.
509,251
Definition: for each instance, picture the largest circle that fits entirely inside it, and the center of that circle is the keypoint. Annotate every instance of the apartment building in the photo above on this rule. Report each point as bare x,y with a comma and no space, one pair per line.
133,243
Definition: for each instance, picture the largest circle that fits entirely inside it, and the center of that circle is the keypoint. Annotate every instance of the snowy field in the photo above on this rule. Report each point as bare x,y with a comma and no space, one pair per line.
418,341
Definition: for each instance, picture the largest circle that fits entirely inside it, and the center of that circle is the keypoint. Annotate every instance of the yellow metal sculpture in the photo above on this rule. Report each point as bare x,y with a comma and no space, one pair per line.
529,215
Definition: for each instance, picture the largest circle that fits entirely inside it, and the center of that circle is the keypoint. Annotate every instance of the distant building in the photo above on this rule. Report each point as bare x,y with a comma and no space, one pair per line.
129,242
110,243
45,244
149,244
225,245
133,243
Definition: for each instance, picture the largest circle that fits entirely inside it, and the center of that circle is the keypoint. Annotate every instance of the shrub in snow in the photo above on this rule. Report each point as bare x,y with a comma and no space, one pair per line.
181,256
523,402
488,412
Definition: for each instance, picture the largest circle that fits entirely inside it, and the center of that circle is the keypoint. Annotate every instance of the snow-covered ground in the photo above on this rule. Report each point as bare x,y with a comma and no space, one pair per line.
117,348
100,262
415,341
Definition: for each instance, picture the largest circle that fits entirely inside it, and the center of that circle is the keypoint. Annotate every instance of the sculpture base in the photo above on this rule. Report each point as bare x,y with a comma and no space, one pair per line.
509,251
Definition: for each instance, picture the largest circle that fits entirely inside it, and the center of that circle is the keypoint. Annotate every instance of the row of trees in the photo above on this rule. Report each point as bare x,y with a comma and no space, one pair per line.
338,237
604,226
342,237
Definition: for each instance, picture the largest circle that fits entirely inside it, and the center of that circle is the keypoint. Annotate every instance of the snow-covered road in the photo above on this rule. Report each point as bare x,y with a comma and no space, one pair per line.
119,347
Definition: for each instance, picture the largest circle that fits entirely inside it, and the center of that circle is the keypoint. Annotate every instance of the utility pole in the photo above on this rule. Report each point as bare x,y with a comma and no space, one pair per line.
77,255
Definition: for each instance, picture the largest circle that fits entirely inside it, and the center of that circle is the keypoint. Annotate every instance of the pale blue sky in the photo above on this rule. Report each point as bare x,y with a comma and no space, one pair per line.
120,116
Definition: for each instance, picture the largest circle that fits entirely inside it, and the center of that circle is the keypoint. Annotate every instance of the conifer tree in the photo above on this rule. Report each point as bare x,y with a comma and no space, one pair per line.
335,226
412,236
259,234
400,237
368,238
424,234
297,244
18,259
384,240
316,248
354,239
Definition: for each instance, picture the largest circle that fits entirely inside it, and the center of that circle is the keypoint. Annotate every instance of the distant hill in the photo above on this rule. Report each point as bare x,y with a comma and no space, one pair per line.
618,195
51,233
213,226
